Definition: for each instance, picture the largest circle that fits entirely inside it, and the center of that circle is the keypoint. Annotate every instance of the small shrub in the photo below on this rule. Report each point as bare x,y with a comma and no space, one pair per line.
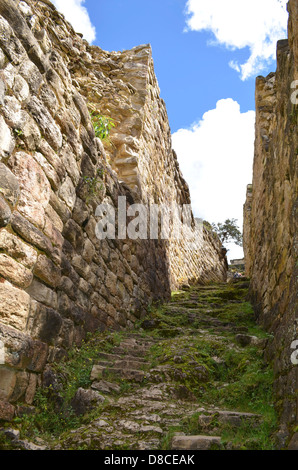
102,125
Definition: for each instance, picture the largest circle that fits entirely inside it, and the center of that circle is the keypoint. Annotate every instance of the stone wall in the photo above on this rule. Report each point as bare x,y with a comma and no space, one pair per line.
58,281
270,226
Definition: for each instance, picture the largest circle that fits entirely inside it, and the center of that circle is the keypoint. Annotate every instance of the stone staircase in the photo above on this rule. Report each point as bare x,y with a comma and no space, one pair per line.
150,388
146,402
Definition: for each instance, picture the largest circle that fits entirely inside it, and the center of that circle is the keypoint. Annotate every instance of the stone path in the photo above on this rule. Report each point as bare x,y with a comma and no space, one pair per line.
155,367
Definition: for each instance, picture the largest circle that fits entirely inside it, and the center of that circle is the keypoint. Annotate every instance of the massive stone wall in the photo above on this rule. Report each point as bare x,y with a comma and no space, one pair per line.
58,281
270,227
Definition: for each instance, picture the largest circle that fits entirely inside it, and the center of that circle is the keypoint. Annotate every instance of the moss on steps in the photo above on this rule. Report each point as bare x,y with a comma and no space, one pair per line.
192,364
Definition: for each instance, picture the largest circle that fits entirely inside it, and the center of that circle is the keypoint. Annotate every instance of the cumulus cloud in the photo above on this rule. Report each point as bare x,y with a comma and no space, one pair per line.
237,24
216,157
78,16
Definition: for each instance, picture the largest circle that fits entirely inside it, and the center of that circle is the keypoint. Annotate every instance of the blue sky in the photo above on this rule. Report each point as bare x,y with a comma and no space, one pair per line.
192,76
207,54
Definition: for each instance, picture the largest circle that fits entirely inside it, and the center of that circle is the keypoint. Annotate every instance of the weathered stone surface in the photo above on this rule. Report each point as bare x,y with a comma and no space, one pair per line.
9,185
270,217
59,172
7,411
43,294
47,271
294,442
10,44
17,249
47,324
7,142
85,400
45,121
35,187
14,306
196,443
30,233
96,373
7,382
5,213
67,193
15,272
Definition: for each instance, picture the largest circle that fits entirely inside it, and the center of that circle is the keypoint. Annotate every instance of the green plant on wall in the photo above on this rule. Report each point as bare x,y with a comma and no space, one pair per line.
102,125
94,184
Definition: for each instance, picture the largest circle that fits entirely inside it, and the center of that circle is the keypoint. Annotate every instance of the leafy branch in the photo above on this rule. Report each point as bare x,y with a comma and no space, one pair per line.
102,125
228,232
93,184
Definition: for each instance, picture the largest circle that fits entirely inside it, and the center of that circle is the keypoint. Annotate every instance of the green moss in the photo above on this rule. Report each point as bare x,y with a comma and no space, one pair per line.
196,347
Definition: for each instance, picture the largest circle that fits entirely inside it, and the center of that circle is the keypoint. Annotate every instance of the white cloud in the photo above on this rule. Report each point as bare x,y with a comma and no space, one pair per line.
78,16
216,157
236,24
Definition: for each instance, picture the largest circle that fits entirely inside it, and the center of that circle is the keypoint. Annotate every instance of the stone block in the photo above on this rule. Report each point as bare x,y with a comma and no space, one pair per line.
9,185
14,306
46,123
5,213
196,443
21,351
7,382
17,249
15,272
7,411
42,294
47,271
30,233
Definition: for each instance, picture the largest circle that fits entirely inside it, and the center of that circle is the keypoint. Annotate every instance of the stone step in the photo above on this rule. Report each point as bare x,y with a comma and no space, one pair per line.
100,372
126,374
119,357
130,364
122,363
196,443
140,352
233,418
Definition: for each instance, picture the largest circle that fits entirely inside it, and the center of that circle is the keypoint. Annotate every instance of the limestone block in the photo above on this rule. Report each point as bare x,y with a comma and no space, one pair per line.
88,251
47,271
7,410
196,442
81,266
13,113
30,233
69,161
49,171
47,325
17,249
2,59
67,193
21,88
31,389
54,218
31,134
35,187
14,306
42,294
15,272
111,283
5,213
7,141
46,123
21,351
10,44
20,387
7,382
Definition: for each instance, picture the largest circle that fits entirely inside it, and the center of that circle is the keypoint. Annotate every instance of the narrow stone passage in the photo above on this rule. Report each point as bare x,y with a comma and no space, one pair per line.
191,377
